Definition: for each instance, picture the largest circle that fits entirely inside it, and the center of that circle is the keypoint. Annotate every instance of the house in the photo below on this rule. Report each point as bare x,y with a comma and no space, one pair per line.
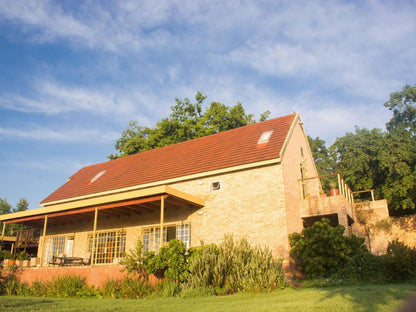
257,182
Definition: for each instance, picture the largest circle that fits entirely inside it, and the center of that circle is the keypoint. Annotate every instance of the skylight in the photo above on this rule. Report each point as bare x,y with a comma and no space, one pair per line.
97,176
265,137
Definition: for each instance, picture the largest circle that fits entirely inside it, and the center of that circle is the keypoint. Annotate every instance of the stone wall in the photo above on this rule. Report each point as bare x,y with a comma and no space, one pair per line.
378,228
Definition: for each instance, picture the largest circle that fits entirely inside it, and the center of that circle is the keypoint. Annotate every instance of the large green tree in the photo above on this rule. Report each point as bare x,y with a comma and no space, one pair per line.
403,105
187,121
377,159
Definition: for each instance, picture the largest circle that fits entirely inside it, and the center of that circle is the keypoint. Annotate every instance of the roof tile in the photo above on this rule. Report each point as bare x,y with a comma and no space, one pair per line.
218,151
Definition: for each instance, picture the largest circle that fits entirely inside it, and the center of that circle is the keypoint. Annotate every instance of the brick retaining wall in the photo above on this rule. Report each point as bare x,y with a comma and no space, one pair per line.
96,276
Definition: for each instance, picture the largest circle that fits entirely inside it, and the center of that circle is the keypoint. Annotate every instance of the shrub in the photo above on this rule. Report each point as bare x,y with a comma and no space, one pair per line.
167,288
67,286
401,261
360,268
170,262
127,288
234,267
324,249
134,261
5,254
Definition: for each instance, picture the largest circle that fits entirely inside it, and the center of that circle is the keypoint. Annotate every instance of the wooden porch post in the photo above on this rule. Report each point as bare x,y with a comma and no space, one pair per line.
3,231
94,232
162,217
45,224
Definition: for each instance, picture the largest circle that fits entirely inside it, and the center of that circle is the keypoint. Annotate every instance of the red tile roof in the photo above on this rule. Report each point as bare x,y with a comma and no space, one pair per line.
218,151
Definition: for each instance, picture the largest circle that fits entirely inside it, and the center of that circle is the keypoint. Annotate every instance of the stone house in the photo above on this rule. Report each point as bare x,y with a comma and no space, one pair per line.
258,182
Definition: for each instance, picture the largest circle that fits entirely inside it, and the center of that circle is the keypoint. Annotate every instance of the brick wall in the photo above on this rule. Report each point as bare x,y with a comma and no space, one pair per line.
96,276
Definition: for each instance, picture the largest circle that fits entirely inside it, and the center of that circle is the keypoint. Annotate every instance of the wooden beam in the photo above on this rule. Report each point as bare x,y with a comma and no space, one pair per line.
45,224
162,217
94,233
3,231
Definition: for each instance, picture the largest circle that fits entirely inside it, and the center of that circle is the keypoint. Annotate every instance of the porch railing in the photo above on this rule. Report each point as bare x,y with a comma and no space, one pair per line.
27,238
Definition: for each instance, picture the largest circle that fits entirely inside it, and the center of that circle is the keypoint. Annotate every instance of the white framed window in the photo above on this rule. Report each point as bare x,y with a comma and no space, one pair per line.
109,246
183,233
151,236
58,245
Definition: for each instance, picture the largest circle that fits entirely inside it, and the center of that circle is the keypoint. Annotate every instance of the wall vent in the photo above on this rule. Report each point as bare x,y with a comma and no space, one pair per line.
215,186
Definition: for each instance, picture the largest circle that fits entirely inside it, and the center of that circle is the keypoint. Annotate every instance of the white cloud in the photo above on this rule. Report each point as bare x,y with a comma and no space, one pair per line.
61,135
51,98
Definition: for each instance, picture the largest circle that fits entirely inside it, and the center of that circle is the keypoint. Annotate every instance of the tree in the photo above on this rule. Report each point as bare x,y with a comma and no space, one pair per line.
356,157
6,207
22,205
403,105
322,159
187,121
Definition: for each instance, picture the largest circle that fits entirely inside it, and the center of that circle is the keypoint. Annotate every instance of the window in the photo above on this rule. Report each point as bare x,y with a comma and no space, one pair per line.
97,176
109,246
58,245
151,236
215,186
183,233
265,137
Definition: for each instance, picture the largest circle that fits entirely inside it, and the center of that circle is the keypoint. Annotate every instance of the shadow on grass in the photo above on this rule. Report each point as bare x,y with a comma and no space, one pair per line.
25,304
371,298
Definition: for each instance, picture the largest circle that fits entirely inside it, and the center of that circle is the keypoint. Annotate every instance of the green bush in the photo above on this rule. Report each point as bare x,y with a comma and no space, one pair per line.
5,254
323,249
401,261
234,267
127,288
167,288
170,262
134,261
67,286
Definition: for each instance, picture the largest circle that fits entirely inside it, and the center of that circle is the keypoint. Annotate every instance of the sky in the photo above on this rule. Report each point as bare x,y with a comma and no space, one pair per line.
74,73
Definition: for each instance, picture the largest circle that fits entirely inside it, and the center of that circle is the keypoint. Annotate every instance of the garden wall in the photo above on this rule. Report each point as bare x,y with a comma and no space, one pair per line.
96,276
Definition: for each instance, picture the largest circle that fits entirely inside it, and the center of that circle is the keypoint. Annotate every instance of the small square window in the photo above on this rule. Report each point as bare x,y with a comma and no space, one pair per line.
215,186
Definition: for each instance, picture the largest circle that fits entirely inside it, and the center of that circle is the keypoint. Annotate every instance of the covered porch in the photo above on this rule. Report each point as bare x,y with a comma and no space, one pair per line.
99,230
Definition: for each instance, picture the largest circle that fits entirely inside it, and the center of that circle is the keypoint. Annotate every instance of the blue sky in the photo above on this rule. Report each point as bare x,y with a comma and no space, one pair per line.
73,73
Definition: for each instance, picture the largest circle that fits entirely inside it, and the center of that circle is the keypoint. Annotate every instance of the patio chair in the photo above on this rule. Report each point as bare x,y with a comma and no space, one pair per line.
87,259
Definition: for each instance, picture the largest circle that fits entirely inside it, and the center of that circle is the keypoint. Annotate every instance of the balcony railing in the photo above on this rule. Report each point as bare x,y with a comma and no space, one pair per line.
316,202
28,238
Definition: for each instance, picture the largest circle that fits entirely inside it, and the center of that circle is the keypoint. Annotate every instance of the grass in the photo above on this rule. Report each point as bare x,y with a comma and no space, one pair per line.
353,298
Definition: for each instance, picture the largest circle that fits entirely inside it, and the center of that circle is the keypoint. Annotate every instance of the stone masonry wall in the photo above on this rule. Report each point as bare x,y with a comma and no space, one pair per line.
249,204
297,152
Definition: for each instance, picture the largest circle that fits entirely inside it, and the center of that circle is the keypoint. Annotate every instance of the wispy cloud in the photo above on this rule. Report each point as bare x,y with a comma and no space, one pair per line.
51,98
114,27
61,135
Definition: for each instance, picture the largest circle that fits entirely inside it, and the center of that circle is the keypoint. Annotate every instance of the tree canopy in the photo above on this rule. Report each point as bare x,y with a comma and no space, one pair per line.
187,121
375,159
6,207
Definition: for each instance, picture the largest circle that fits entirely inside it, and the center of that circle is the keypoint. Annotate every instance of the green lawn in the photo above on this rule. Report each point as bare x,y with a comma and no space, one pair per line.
355,298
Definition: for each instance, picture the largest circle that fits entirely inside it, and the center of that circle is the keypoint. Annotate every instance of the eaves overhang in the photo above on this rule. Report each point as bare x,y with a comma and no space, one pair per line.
131,202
